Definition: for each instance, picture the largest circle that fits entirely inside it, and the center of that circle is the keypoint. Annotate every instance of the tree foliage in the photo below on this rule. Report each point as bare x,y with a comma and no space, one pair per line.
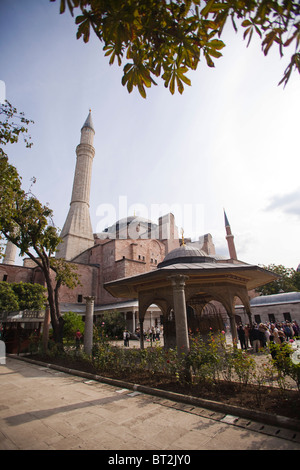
112,324
27,223
72,323
8,298
21,296
11,130
168,38
288,280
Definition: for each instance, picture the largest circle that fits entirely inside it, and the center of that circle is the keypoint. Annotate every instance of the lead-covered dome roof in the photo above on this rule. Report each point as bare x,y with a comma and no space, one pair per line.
131,220
186,254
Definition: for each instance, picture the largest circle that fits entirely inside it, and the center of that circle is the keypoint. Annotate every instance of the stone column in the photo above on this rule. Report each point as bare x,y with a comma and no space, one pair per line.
246,303
233,328
143,303
182,337
142,346
88,328
46,328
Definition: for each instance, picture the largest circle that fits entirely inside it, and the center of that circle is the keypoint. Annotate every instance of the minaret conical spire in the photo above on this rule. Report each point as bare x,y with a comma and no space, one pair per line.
77,233
230,238
89,122
227,224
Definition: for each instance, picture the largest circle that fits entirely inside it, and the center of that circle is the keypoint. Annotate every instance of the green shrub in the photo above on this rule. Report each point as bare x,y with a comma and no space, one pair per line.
72,323
210,359
112,324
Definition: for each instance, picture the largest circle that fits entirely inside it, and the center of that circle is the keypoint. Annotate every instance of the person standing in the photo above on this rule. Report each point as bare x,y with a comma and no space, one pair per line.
296,328
255,338
241,335
267,335
247,332
274,337
262,335
288,330
78,337
126,337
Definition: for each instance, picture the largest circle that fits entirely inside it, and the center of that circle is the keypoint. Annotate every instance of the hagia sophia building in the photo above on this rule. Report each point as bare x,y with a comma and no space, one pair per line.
130,247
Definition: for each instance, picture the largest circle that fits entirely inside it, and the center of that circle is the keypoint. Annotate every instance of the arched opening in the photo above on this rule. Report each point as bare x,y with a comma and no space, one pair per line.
206,320
150,324
153,317
204,315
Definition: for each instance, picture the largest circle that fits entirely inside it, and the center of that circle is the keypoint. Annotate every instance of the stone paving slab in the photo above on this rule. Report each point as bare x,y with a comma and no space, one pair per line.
41,409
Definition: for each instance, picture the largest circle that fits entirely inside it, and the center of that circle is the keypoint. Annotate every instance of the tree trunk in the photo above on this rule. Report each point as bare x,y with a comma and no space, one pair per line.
56,319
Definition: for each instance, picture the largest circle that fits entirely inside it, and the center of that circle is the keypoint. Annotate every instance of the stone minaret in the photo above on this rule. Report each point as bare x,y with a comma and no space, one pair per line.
10,253
230,239
77,233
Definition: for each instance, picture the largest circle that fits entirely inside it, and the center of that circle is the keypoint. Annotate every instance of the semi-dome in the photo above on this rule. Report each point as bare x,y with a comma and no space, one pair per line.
186,254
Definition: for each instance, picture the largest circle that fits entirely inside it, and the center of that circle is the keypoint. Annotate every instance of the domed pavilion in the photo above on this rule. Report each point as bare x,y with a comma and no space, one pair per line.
189,277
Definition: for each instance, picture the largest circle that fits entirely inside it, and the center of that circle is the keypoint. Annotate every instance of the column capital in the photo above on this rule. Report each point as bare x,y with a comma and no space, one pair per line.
178,280
89,298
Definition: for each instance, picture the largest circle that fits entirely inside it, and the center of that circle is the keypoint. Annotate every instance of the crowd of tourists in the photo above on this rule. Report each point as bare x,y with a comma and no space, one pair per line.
260,335
153,333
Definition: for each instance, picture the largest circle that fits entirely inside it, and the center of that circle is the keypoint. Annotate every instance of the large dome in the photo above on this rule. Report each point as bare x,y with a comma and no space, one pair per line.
130,220
186,254
133,218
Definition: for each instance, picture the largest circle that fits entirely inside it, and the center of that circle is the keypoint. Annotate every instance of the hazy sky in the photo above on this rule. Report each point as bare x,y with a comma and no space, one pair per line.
230,141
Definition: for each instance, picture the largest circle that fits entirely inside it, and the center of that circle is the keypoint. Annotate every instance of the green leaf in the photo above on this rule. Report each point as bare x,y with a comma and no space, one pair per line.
79,19
180,86
186,80
249,30
246,23
172,84
217,44
84,30
142,90
206,10
214,53
208,60
62,6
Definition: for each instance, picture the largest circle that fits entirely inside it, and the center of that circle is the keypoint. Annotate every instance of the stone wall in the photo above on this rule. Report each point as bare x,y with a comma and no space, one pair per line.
11,273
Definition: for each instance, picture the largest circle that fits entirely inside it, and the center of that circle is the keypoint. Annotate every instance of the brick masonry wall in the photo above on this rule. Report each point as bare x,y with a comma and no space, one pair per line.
12,273
107,260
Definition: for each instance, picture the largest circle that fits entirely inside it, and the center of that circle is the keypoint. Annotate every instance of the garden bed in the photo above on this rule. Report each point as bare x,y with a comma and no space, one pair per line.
263,398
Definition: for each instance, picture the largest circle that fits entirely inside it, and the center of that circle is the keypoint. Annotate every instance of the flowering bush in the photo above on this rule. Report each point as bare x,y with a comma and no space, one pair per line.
244,365
210,362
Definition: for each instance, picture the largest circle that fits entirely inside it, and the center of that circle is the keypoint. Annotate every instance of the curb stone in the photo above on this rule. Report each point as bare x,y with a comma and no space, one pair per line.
234,411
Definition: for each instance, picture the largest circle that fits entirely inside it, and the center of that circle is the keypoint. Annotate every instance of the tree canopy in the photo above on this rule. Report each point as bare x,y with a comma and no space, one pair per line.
72,323
16,296
288,280
112,324
168,38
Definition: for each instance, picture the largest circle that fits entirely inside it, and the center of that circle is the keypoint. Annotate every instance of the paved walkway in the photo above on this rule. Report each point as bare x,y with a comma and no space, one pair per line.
43,409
